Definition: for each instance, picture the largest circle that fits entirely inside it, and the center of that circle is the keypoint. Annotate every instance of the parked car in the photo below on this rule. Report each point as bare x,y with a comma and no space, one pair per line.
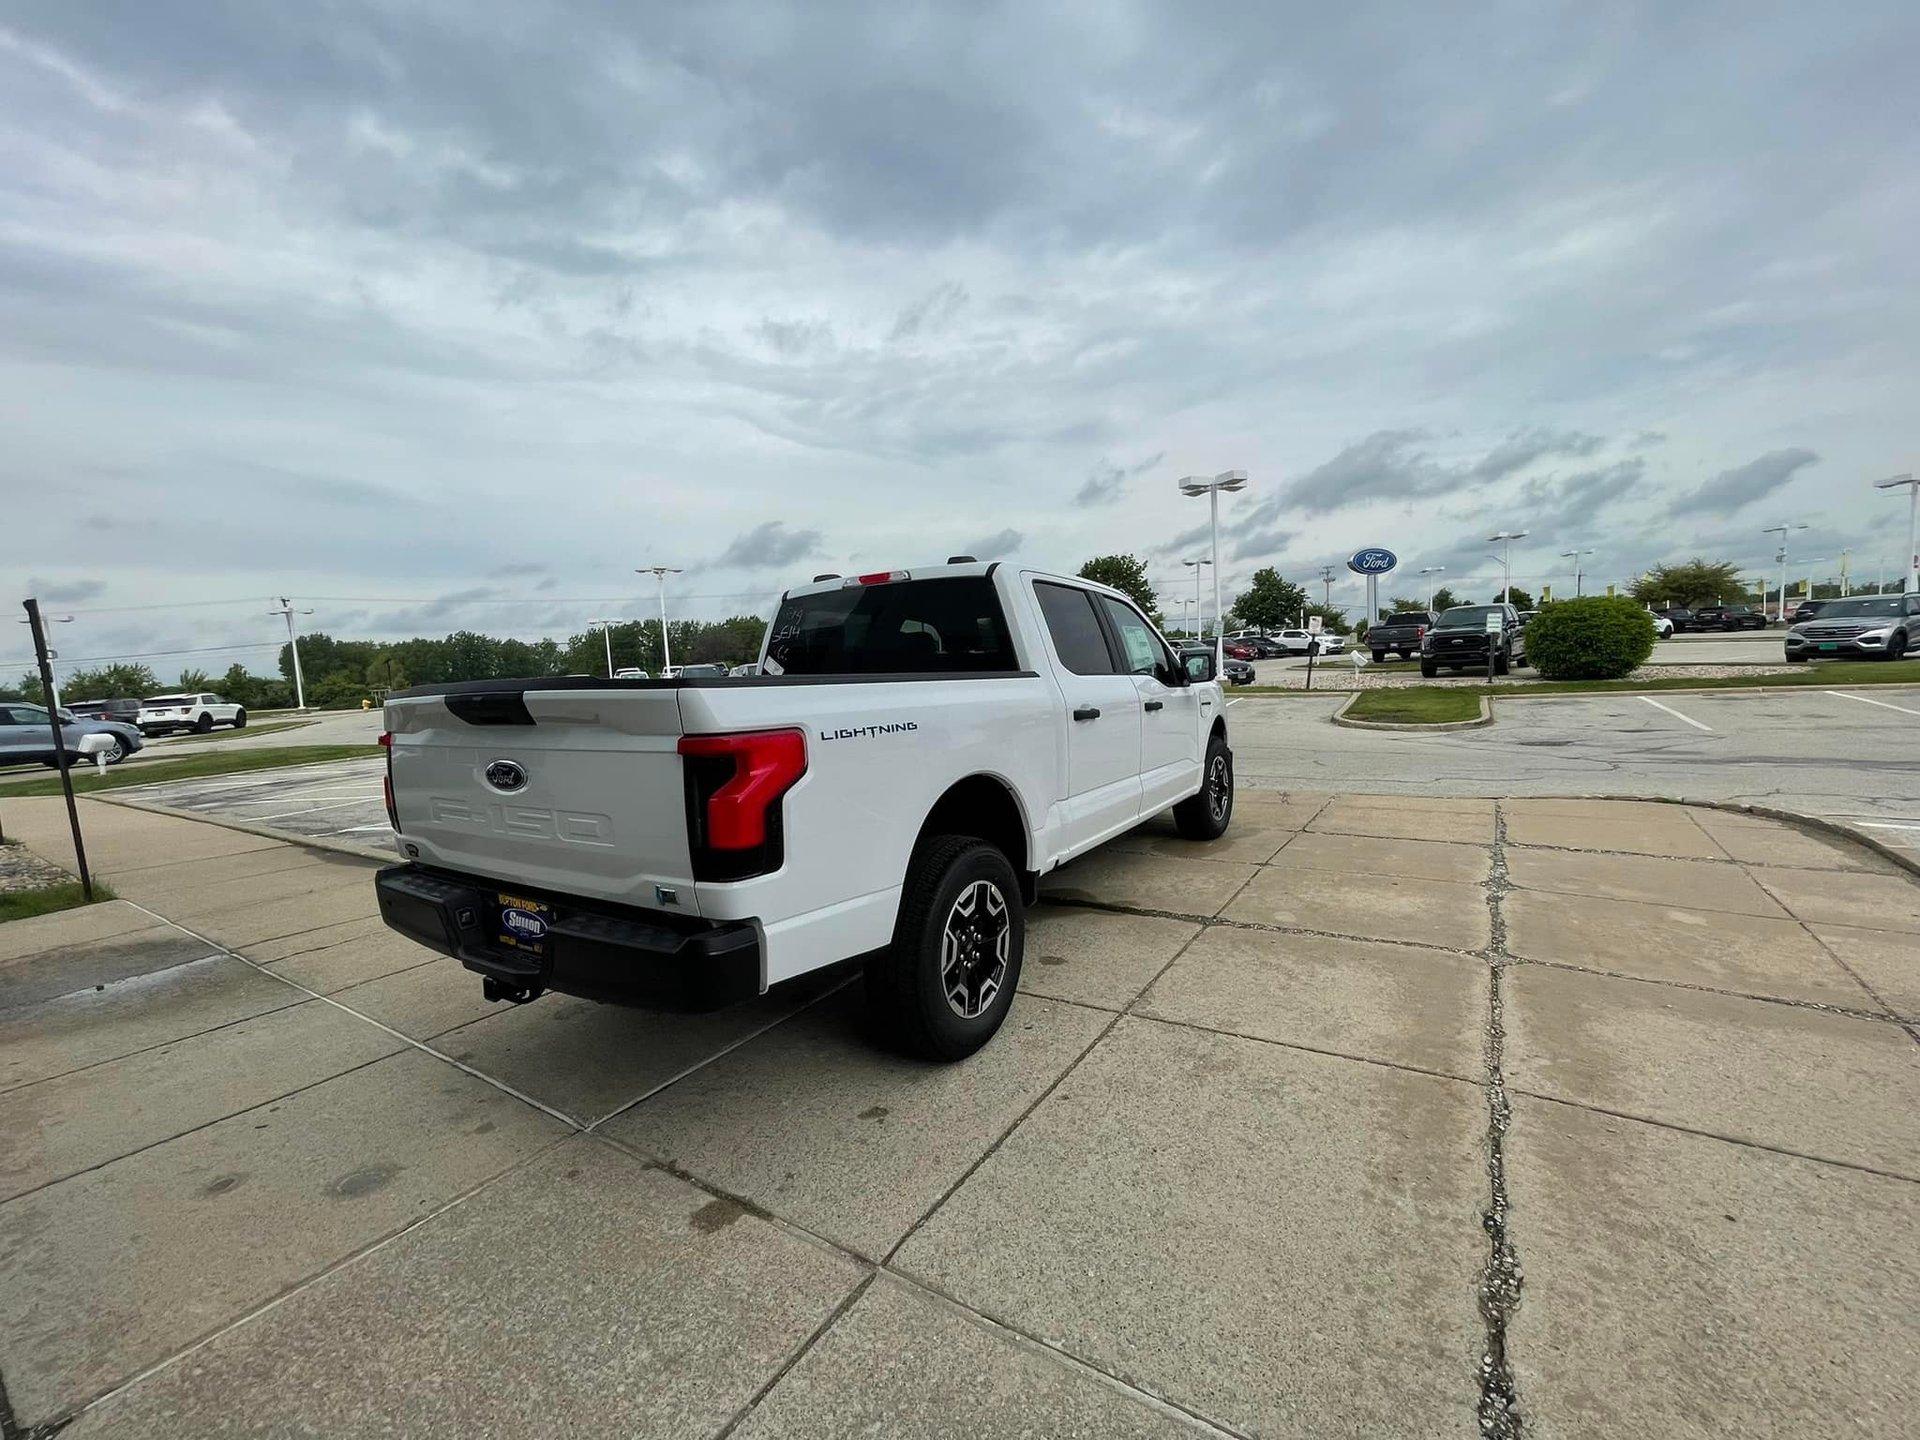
705,671
161,714
1881,627
1728,617
1238,672
1330,643
967,728
26,735
1400,633
1806,610
1679,616
631,672
743,672
1459,640
1238,650
126,712
1264,647
1663,628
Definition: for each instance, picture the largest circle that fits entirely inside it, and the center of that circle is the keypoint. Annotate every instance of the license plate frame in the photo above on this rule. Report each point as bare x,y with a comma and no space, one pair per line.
529,934
1825,648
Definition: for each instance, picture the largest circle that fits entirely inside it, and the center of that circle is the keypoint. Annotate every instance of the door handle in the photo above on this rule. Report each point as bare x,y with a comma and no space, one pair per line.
1086,712
1153,705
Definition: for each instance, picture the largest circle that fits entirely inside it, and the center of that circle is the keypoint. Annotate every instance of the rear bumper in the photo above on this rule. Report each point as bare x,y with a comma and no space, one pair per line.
592,952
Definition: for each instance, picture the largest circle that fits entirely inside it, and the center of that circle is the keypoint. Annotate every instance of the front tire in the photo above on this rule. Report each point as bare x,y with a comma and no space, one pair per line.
1896,646
239,719
1379,656
1429,669
1206,814
944,986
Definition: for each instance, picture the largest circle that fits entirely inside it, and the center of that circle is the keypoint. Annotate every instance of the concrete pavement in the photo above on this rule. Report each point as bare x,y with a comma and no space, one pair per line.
1266,1160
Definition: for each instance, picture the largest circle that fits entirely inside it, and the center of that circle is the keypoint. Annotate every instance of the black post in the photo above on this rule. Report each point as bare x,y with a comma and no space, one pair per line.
59,744
1313,649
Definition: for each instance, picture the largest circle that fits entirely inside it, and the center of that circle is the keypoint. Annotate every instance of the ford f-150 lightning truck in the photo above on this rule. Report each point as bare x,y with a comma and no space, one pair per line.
919,748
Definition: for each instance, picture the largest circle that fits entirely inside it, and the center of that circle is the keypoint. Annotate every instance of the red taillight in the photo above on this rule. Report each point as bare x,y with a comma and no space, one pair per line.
876,577
1419,632
386,783
735,783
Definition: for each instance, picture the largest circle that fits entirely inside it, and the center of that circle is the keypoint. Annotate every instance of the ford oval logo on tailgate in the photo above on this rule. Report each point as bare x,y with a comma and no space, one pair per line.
506,775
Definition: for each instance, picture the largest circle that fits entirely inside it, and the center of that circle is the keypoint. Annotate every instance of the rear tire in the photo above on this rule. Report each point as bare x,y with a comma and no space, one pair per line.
239,719
1206,814
1796,659
944,986
204,725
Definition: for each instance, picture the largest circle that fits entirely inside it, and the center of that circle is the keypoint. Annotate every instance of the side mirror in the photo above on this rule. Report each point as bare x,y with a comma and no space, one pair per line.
1200,668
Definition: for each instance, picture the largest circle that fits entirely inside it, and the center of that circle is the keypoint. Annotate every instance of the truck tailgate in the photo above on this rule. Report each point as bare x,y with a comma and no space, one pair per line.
576,791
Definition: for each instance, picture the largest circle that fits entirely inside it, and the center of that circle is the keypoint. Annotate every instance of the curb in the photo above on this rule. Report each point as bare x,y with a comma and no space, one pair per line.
1876,685
1340,717
311,842
1832,829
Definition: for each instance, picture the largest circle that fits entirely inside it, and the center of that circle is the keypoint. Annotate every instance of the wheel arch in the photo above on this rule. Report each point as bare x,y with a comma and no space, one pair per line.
988,808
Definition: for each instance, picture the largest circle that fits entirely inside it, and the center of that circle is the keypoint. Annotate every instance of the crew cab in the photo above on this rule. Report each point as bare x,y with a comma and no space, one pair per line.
1727,617
1460,640
919,748
160,714
1400,632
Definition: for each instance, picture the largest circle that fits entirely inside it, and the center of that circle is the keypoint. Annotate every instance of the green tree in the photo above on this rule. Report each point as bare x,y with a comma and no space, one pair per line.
1443,599
1268,602
254,692
337,691
1127,574
193,679
1689,582
1334,619
1515,596
385,672
111,682
472,656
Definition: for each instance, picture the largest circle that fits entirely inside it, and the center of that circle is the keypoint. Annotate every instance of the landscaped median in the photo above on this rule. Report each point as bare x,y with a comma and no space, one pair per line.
190,767
1817,675
1415,707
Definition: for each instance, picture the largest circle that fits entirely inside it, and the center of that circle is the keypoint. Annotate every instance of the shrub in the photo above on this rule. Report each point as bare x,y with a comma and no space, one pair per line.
1601,637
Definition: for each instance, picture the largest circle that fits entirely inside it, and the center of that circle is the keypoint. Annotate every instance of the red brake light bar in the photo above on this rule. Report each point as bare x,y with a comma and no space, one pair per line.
386,781
876,577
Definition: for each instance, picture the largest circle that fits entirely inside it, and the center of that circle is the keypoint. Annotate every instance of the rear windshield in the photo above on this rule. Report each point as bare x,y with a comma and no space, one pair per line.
168,700
1469,615
911,627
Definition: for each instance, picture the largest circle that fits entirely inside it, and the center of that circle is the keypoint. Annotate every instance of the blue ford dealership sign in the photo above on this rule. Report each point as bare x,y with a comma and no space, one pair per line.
1372,561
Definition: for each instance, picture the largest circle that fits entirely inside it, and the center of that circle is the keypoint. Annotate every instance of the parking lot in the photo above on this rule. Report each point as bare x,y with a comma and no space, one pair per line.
1302,1133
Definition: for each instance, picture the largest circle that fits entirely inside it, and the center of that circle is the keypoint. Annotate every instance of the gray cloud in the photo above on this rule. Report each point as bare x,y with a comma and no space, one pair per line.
768,545
65,592
1107,481
996,546
1525,447
1730,490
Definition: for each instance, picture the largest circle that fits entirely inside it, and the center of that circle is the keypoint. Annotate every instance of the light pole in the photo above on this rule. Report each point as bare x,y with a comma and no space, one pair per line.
1781,530
293,639
1326,595
1230,481
1913,525
1846,580
1199,611
606,629
1504,539
1578,574
53,677
660,572
1431,570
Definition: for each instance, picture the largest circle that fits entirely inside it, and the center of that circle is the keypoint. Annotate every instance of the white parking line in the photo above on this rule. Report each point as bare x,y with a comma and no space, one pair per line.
310,810
1228,706
1677,715
1884,705
1884,825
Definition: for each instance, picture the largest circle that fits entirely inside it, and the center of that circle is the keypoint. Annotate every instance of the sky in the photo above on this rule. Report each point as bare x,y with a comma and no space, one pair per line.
449,315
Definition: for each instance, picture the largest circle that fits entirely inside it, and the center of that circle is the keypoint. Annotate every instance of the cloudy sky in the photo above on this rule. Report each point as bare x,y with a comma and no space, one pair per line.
449,314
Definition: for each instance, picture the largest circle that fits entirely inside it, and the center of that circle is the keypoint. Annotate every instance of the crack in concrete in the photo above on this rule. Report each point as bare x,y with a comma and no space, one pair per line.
1501,1276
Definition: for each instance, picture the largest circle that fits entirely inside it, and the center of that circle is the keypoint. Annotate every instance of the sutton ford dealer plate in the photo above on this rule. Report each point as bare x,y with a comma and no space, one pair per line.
522,924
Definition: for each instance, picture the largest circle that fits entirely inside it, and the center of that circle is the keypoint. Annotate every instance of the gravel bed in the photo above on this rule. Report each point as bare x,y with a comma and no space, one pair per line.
1340,675
21,869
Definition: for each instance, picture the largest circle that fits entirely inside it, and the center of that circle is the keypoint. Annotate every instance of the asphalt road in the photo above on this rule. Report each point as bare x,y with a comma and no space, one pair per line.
1747,647
1850,755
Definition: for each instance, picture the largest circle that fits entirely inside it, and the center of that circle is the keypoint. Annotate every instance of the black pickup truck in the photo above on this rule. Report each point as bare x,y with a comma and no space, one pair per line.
1400,633
1460,637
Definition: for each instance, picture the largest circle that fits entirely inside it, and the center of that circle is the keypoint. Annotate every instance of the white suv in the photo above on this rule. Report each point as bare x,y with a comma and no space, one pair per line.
160,714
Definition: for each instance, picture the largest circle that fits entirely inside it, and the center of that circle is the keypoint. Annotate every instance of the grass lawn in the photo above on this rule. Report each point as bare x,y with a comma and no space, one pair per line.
1415,705
20,904
190,767
1819,673
231,734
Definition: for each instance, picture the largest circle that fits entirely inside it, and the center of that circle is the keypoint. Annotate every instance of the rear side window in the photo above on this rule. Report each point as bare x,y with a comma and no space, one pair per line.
1077,636
951,625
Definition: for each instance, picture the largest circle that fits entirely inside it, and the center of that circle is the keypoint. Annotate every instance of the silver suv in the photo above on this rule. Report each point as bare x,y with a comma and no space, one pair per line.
25,735
1882,627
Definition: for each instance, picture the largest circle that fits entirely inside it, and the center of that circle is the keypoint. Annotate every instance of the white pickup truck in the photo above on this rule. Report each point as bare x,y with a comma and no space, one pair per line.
918,749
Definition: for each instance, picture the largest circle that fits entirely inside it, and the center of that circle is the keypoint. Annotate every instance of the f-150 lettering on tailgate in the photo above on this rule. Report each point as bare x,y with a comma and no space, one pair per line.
577,827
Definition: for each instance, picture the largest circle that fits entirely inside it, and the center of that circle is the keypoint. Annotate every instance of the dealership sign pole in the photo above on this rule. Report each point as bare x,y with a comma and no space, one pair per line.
1372,562
59,744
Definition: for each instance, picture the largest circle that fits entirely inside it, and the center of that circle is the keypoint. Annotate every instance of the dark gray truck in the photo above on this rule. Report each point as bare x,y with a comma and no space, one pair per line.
1401,633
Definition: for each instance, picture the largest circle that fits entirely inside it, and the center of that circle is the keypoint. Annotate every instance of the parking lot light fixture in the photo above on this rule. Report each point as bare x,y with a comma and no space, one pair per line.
1578,574
660,572
53,674
293,640
1504,539
1230,481
1199,610
1913,525
1431,570
1782,530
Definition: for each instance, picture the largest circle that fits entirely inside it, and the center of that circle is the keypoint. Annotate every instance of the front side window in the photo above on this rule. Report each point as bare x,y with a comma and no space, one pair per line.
1075,628
1140,648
